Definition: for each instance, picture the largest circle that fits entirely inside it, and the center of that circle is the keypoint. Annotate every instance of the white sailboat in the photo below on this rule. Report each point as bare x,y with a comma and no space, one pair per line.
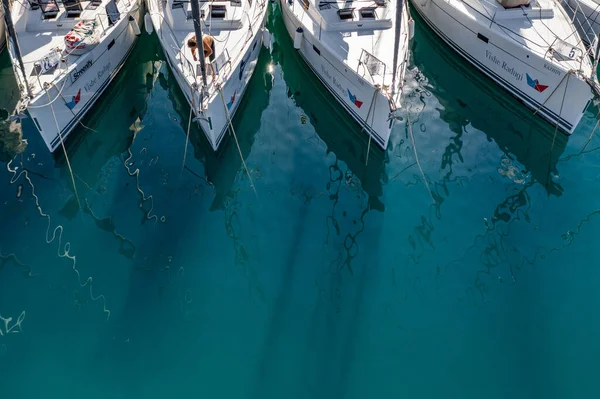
237,29
65,55
359,50
528,47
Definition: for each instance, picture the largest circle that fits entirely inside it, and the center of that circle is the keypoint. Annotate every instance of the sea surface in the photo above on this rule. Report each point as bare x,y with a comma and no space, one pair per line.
458,263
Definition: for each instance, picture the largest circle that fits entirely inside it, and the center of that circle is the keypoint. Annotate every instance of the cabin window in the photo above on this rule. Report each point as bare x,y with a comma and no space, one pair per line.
381,3
367,13
236,3
305,4
346,14
217,11
112,12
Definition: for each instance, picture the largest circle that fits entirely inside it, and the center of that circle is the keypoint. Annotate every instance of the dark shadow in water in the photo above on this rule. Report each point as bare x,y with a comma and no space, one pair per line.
155,281
222,167
341,134
470,98
109,128
329,335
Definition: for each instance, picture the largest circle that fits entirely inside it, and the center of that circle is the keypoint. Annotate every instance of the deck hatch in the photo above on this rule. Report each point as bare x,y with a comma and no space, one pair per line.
367,13
346,14
218,11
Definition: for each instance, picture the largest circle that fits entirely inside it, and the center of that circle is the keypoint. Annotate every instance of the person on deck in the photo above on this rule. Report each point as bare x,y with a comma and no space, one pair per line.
208,47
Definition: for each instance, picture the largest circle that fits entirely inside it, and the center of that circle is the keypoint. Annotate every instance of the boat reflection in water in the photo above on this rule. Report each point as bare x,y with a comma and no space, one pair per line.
469,98
109,131
339,132
11,140
105,136
222,166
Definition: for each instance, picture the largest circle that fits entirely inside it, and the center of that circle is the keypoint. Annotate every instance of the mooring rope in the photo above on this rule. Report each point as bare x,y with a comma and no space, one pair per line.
236,140
569,72
62,143
412,138
371,106
556,128
187,136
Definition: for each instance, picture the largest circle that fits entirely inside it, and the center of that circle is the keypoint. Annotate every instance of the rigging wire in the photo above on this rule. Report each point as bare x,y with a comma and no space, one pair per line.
236,141
556,128
62,143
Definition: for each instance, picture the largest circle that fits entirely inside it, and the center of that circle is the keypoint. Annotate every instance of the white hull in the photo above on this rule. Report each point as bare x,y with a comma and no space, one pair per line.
375,112
538,80
212,112
55,110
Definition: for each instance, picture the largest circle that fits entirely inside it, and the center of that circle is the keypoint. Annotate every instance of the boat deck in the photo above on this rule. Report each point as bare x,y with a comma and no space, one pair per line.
226,23
354,31
543,27
41,35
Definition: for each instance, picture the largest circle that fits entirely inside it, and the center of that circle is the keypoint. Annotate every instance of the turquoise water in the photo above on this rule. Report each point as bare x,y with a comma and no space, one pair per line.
334,280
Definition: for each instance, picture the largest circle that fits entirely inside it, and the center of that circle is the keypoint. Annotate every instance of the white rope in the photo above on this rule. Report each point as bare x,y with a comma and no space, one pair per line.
187,138
556,128
53,100
63,73
373,100
236,140
62,143
412,138
570,71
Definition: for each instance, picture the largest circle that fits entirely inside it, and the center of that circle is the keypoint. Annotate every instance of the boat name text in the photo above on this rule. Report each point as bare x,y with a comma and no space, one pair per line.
337,84
504,65
89,86
76,74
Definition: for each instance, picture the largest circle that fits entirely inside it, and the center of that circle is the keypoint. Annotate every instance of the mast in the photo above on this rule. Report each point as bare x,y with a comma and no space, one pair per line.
399,6
13,35
198,32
